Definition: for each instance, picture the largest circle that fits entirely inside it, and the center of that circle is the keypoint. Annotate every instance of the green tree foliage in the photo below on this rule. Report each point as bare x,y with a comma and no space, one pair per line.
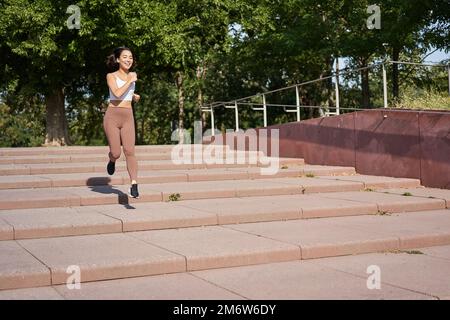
191,52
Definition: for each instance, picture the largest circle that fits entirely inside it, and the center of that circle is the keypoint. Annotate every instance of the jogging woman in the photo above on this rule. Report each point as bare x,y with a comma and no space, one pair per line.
118,122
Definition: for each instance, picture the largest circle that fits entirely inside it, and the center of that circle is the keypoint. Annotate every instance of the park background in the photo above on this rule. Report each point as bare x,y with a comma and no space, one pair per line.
192,52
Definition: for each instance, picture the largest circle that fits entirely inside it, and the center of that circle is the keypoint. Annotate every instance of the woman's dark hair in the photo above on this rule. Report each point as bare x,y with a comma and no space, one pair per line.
111,60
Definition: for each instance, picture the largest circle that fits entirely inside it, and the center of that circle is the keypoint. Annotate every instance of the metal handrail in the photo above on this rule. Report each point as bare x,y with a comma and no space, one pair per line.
234,103
420,64
340,73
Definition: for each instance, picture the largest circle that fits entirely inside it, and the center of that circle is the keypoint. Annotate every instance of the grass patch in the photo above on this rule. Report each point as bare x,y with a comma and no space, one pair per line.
405,251
369,189
383,213
284,167
310,175
174,197
412,251
407,194
420,99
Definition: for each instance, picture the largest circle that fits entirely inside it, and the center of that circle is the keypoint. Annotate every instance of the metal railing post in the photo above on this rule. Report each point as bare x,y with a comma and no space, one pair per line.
264,110
337,94
385,99
212,121
448,71
236,113
297,99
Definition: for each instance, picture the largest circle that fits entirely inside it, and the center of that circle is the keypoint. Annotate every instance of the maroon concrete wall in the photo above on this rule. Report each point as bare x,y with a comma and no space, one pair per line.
435,149
396,143
387,143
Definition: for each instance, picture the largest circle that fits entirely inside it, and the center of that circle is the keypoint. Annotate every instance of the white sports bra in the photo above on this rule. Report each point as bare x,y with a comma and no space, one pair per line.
127,96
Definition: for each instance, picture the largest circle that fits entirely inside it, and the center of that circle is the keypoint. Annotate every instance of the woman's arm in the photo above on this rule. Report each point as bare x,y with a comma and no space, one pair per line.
113,85
136,97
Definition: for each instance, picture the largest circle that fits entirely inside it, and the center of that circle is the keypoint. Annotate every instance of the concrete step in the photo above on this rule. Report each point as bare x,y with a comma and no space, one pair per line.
34,151
419,274
76,158
162,176
91,150
92,167
59,208
101,219
141,155
430,193
155,192
44,262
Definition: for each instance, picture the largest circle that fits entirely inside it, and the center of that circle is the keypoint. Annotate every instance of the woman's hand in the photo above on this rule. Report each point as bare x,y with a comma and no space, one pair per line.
132,76
136,97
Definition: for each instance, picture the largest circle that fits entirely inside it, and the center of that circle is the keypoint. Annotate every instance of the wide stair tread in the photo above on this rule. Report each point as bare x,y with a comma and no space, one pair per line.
327,278
43,262
200,224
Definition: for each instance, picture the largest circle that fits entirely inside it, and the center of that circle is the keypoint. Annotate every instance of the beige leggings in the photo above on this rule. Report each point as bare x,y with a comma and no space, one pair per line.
118,124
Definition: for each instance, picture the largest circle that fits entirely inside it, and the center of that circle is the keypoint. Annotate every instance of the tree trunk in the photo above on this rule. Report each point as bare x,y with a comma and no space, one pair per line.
329,83
305,100
201,72
56,131
179,82
365,84
200,106
395,57
323,95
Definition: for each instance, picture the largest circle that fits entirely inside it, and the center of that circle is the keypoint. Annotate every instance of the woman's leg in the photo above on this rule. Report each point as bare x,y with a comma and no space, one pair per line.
112,131
128,140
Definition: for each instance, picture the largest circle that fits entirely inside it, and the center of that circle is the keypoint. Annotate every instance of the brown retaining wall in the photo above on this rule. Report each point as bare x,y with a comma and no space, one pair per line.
396,143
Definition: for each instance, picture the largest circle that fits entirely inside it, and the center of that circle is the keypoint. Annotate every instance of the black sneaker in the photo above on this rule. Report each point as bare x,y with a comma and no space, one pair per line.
111,167
134,191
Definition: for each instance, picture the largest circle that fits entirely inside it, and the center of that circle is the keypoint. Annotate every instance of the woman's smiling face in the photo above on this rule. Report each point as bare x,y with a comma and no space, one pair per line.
125,60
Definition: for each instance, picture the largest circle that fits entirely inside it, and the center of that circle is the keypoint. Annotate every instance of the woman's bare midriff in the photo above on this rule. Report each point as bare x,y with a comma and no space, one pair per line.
120,104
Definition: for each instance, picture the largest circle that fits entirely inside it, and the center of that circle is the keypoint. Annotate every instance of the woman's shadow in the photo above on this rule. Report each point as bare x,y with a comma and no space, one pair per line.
102,185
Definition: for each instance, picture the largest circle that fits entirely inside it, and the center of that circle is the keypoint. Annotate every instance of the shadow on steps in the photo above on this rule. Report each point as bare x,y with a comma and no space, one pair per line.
96,185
